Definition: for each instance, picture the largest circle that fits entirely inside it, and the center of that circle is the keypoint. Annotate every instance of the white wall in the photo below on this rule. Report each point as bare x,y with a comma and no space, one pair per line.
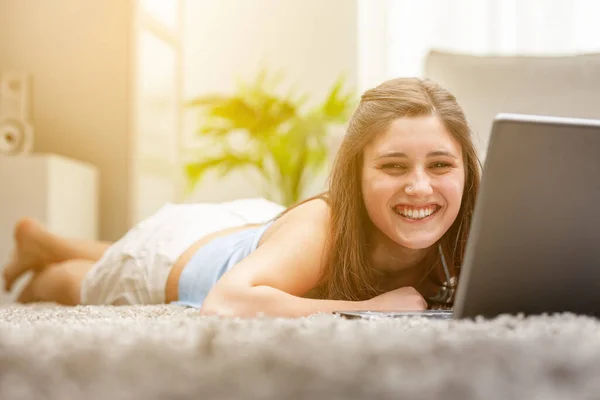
313,40
78,55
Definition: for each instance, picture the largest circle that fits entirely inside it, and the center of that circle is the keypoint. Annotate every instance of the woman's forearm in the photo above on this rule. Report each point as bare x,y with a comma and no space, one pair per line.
268,301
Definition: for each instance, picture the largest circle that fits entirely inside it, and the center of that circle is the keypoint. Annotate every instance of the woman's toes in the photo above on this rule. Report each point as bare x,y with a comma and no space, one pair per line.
10,273
27,252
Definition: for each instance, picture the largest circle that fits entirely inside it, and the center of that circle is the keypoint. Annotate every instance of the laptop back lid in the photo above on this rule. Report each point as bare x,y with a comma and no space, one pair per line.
534,243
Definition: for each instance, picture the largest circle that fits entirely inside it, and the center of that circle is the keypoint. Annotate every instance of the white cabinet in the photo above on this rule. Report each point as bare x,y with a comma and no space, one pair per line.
59,192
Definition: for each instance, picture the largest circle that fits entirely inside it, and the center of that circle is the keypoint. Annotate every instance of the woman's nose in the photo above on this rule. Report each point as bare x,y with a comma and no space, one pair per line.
419,184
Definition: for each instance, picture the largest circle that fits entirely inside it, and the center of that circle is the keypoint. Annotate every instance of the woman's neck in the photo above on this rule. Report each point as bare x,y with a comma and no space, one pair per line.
395,265
387,255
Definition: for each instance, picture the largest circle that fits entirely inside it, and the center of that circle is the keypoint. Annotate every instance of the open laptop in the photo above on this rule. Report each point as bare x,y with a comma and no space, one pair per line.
534,243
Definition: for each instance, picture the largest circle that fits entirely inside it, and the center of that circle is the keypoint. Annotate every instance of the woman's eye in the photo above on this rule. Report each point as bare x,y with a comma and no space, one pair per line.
441,165
393,166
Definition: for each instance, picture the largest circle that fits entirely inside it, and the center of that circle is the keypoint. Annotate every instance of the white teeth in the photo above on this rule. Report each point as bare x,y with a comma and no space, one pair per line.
416,214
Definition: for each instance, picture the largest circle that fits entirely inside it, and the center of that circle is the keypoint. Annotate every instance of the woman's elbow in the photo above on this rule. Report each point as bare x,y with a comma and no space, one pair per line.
225,302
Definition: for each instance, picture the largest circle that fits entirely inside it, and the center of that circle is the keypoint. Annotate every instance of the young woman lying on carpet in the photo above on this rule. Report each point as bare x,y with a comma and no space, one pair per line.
388,235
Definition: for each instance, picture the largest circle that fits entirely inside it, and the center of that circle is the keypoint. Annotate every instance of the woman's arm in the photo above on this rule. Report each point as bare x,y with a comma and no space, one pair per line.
288,264
274,302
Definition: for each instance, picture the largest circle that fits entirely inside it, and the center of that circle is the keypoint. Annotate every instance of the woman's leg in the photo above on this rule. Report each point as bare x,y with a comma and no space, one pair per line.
60,283
36,248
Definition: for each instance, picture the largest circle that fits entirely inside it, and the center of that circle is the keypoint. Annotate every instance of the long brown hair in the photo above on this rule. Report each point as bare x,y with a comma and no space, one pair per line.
347,274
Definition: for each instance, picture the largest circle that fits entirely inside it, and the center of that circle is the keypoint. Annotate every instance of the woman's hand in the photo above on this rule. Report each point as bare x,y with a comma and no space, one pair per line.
403,299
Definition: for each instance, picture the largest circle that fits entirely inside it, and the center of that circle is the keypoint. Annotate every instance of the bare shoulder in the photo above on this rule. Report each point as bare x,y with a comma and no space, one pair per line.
290,255
312,216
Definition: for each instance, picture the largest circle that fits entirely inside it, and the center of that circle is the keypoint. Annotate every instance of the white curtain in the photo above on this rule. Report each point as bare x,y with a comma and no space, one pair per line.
395,35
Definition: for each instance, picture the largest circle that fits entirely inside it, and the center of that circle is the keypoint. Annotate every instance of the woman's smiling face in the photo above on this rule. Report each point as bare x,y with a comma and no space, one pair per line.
413,178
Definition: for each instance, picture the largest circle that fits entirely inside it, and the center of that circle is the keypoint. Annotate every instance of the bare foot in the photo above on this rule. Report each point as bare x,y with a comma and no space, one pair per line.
31,251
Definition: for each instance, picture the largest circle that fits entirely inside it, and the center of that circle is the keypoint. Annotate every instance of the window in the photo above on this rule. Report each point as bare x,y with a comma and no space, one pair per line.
396,35
157,106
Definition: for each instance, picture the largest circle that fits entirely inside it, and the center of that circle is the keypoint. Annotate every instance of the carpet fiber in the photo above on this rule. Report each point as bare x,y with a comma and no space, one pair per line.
160,352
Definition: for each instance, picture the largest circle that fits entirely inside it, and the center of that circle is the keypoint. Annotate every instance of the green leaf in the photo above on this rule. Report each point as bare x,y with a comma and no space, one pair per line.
337,105
214,130
207,100
223,164
285,143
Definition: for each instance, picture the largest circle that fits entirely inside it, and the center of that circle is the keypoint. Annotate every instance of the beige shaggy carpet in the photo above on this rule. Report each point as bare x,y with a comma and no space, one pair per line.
167,352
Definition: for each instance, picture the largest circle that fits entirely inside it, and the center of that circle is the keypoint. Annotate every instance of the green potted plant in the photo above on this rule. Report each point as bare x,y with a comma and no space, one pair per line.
284,139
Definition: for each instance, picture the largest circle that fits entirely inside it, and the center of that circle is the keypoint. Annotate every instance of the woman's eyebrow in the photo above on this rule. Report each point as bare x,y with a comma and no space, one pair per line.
437,153
441,153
